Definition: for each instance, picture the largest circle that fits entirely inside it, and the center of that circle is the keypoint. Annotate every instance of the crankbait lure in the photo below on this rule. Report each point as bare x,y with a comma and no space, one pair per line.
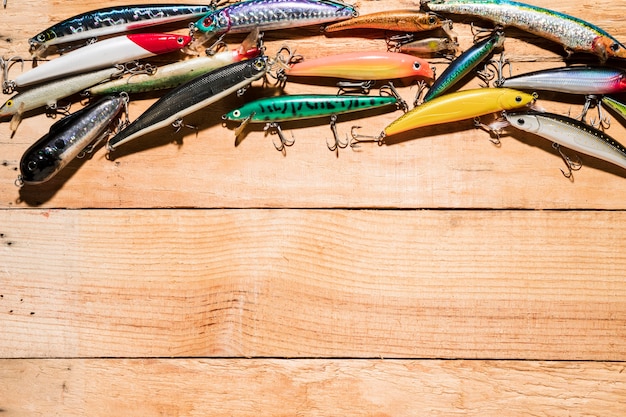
574,34
465,62
177,73
67,138
266,15
113,20
397,20
272,110
571,133
192,96
47,94
572,80
423,47
453,107
108,52
364,66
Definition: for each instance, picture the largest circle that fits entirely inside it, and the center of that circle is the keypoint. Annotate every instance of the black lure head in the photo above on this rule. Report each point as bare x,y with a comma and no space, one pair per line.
38,164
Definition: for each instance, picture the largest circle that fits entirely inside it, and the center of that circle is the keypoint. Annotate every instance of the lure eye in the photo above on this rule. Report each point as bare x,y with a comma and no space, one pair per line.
615,47
9,103
32,165
432,20
521,122
207,21
417,65
518,99
180,40
236,113
258,64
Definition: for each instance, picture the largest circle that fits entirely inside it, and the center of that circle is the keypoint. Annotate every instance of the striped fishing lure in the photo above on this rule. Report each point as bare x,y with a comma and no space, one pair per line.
113,20
576,35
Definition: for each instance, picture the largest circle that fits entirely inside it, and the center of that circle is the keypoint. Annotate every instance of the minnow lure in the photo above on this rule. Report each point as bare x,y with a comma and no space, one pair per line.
364,66
113,20
272,110
396,20
424,47
574,34
266,15
67,138
117,50
47,94
460,105
617,106
572,80
464,63
177,73
571,133
192,96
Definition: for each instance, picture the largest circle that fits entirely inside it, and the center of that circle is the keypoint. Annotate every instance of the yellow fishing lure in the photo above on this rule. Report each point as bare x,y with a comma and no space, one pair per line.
461,105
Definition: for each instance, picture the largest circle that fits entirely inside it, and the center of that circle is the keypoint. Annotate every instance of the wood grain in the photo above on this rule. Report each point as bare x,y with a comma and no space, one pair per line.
448,166
303,283
188,387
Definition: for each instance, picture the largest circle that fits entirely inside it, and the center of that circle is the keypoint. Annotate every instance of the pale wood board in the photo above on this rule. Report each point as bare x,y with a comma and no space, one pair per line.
222,387
488,284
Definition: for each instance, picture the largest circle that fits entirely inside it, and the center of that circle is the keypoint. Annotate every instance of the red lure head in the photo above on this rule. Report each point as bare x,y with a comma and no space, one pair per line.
160,43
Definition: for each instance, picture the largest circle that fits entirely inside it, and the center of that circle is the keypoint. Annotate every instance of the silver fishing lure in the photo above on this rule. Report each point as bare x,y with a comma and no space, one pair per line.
67,138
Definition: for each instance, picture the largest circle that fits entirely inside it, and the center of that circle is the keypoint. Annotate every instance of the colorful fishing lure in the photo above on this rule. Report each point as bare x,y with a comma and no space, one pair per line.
192,96
47,94
582,80
453,107
397,20
571,133
117,50
67,138
266,15
465,63
177,73
423,47
272,110
113,20
574,34
364,66
618,106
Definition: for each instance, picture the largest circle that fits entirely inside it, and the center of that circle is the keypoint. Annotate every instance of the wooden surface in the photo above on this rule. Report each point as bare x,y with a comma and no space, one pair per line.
438,275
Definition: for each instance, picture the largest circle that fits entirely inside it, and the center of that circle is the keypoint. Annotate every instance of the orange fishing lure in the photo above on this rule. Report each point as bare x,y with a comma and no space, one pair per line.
395,20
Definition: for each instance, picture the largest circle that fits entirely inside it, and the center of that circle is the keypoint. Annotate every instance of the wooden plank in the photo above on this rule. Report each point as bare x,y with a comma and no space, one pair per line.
310,283
188,387
446,166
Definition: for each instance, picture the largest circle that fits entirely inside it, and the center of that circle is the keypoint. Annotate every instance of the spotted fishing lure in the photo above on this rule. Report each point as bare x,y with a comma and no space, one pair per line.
67,138
272,14
574,34
113,20
396,20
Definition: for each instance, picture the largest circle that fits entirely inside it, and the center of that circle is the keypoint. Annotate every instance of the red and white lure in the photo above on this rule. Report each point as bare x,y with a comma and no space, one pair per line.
117,50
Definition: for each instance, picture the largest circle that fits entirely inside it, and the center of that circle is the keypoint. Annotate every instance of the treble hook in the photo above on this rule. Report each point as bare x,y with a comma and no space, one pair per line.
358,139
603,122
274,127
498,67
390,90
334,147
8,86
421,88
569,163
494,129
351,87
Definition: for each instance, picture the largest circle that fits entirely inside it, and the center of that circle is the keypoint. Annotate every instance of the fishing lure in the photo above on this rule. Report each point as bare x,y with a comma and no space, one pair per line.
574,34
266,15
617,106
422,47
397,20
177,73
272,110
364,66
453,107
117,50
47,94
582,80
67,138
192,96
571,133
466,62
111,20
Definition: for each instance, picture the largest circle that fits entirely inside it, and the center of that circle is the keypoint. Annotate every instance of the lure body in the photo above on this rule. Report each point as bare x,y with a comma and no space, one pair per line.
397,20
574,34
246,15
460,105
192,96
617,106
113,20
573,80
305,106
47,94
428,46
172,75
67,138
465,63
364,66
108,52
570,133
